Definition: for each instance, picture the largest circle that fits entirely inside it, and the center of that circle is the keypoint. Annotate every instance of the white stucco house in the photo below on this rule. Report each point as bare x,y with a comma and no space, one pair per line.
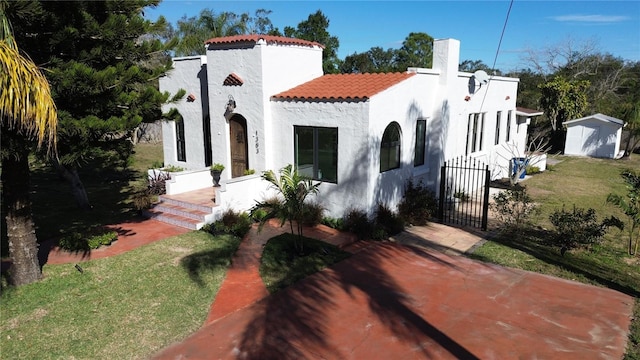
595,135
262,102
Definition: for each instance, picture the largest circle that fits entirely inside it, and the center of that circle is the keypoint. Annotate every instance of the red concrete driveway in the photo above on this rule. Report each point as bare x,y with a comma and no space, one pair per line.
395,302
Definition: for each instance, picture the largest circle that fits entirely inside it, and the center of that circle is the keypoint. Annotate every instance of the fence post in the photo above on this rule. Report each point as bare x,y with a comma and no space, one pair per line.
443,184
485,203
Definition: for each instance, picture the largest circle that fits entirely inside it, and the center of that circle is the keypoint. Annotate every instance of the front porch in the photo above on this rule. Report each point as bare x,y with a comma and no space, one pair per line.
191,201
191,210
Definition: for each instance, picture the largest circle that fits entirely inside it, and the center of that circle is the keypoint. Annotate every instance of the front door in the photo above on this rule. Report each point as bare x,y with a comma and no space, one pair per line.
238,141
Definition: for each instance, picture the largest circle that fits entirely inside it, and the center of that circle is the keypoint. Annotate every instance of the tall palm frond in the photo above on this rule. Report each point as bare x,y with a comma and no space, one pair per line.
25,97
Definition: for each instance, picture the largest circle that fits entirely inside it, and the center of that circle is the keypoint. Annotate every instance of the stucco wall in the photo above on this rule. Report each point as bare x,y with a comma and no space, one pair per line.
404,104
354,147
185,75
265,70
498,95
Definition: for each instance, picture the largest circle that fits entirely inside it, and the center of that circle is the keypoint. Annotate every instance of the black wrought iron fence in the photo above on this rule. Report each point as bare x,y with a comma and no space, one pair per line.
464,193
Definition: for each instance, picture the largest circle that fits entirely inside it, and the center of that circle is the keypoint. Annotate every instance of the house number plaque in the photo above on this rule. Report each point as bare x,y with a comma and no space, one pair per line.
257,143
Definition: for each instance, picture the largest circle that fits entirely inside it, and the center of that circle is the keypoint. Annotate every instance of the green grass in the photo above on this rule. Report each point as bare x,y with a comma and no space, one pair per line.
281,265
583,182
55,212
123,307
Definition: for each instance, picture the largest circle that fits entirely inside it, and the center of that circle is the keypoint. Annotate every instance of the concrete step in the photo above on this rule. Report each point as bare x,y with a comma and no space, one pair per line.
185,204
174,219
187,212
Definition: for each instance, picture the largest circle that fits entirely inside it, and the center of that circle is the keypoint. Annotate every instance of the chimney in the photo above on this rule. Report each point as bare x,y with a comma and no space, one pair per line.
446,56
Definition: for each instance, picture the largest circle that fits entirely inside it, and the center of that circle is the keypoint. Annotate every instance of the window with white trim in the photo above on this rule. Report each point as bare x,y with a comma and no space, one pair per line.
316,152
475,133
180,141
421,135
509,125
390,148
498,120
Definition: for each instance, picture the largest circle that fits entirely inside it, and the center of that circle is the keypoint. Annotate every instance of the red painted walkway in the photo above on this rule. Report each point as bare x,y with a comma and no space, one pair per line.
243,285
391,301
131,235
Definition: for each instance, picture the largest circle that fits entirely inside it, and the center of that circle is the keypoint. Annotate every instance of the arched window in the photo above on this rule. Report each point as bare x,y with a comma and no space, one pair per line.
390,148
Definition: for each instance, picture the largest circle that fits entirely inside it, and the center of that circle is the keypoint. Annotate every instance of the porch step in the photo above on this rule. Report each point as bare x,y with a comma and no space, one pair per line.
190,210
173,219
190,205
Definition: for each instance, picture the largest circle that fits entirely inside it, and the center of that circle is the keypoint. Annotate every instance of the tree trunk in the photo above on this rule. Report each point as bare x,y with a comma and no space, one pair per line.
77,188
23,245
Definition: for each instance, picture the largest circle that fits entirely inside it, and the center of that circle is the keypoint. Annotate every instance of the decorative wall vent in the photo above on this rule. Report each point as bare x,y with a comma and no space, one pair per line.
233,80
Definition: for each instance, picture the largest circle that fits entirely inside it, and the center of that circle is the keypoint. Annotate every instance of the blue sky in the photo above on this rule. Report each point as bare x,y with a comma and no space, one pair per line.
614,26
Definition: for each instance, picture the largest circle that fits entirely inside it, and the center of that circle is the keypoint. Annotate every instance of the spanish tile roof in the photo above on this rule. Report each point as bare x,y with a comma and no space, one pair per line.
343,86
233,80
254,38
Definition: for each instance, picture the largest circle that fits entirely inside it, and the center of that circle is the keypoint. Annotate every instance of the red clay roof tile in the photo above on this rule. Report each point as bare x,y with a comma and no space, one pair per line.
254,38
343,86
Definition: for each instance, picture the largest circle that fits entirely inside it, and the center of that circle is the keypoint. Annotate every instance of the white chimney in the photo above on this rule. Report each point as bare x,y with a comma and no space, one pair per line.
446,56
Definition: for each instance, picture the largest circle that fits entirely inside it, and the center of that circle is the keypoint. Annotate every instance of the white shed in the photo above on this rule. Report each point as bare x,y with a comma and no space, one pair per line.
596,135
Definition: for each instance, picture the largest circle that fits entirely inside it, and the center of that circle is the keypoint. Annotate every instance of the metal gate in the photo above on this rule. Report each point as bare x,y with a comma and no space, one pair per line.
464,193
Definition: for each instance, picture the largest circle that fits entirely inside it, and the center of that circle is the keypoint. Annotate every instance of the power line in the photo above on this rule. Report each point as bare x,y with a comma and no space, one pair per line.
495,59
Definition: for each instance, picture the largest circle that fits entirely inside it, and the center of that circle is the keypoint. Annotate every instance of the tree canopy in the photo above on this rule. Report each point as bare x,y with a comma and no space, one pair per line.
315,28
416,51
563,99
102,59
191,33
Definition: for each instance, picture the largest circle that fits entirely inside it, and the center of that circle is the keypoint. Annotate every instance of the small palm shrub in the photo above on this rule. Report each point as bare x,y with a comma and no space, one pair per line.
418,204
630,206
293,189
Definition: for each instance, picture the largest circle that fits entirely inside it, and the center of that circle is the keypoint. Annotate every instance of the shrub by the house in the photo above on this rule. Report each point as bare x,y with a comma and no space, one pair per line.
578,228
418,204
514,208
232,222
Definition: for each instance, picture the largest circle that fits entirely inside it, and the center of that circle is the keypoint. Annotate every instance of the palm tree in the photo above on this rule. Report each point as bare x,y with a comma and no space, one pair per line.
630,207
27,111
292,189
193,32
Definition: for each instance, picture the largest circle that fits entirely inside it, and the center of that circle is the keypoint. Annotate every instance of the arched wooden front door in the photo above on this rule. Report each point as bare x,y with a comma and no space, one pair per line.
238,142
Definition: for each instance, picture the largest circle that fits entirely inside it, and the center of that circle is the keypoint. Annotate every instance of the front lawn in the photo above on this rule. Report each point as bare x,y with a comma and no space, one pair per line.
123,307
585,183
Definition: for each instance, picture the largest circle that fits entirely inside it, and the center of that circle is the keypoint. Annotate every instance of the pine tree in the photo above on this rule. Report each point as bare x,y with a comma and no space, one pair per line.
102,59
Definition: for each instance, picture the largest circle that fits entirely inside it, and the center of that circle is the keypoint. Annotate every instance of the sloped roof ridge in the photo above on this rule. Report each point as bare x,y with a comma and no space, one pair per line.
597,116
347,87
269,39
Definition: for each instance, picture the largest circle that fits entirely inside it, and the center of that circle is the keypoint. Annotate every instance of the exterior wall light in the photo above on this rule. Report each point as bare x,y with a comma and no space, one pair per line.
231,104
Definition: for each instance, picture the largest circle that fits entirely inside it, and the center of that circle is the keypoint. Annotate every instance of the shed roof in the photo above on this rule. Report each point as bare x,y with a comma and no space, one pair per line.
255,38
353,87
599,117
521,111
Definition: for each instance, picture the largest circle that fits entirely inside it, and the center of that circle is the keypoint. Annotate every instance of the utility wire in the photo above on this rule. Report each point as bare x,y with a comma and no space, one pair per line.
495,59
